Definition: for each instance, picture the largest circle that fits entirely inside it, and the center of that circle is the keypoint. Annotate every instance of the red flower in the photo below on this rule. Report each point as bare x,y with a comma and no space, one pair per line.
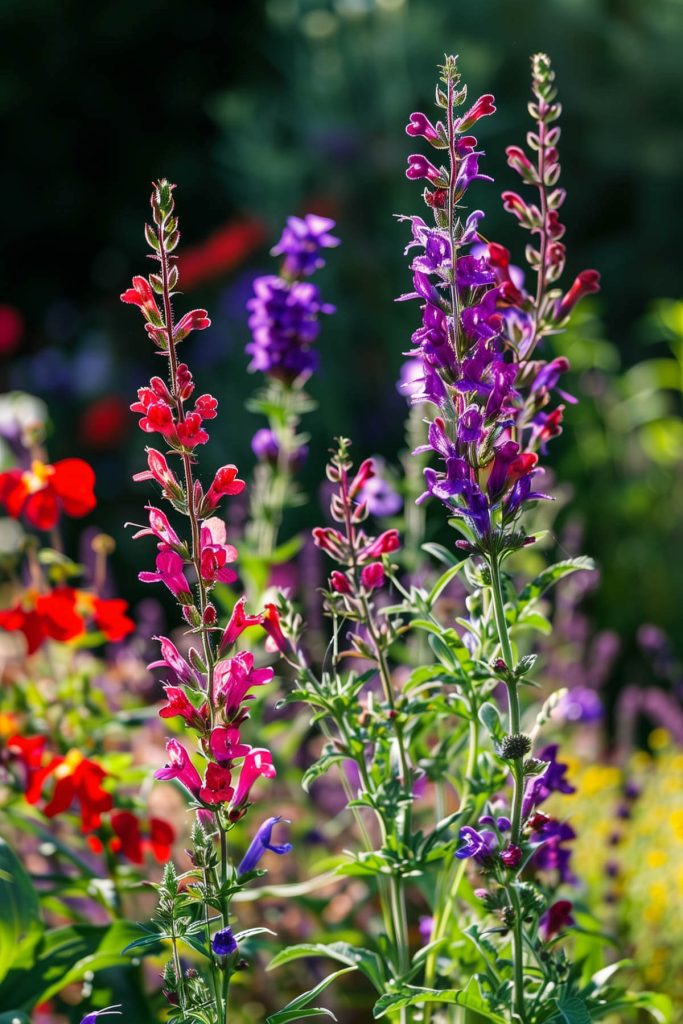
220,252
111,619
105,423
127,836
161,838
30,752
42,492
44,616
130,841
79,779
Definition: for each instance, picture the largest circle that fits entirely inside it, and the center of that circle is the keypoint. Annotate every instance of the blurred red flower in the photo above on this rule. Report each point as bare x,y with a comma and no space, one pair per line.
42,492
221,252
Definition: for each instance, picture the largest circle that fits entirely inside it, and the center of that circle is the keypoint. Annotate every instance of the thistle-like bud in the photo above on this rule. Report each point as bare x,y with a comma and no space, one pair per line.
514,746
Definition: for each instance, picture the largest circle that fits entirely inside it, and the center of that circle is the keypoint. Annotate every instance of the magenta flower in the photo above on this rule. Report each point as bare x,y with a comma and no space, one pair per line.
420,126
234,677
160,471
372,576
180,767
257,762
170,573
173,659
160,528
216,553
225,743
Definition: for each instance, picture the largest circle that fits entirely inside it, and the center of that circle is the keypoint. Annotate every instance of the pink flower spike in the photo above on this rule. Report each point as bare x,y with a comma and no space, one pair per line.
216,788
173,659
160,528
180,767
257,762
169,572
195,320
239,621
226,745
420,125
372,576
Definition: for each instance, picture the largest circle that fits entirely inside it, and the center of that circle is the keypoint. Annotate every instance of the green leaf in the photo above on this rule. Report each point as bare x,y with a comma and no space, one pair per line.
571,1011
442,554
288,1012
489,716
409,995
443,582
20,924
14,1017
369,963
550,576
63,956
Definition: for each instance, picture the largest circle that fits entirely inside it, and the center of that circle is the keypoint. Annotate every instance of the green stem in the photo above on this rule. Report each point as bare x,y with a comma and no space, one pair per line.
517,769
225,910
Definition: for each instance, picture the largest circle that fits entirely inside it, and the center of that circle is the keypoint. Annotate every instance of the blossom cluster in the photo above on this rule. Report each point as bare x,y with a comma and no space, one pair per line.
60,782
285,308
479,323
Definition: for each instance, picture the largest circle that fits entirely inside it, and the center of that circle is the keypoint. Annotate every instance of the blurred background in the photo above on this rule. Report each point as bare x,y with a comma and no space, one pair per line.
261,109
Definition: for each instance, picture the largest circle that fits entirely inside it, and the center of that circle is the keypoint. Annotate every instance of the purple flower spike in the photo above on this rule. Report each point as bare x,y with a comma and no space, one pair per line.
260,843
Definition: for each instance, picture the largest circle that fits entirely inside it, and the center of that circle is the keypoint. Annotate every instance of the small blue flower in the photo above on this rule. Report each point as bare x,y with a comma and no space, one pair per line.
259,844
223,943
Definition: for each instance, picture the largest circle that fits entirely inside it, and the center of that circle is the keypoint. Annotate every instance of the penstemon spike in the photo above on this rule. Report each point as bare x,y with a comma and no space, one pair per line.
209,688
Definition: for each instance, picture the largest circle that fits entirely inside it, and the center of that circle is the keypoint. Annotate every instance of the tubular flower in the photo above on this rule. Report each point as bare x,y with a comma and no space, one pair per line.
257,762
43,492
180,767
260,844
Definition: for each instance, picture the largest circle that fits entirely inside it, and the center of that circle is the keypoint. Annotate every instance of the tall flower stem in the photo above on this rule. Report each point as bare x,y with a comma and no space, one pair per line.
514,719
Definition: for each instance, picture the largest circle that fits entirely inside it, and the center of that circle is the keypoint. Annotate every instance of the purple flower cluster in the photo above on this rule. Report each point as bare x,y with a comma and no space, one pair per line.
479,325
285,309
